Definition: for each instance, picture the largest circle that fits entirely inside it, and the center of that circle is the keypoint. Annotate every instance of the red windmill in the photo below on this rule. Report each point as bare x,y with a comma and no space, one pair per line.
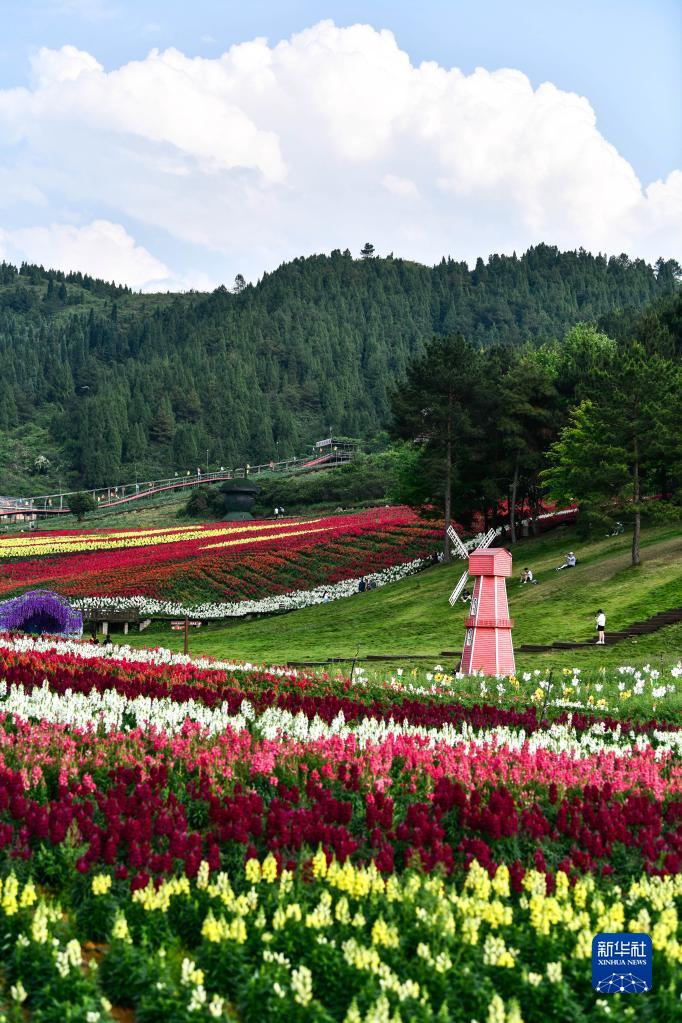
488,641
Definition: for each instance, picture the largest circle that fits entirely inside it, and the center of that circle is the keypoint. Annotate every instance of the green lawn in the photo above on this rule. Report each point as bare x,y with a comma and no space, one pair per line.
413,617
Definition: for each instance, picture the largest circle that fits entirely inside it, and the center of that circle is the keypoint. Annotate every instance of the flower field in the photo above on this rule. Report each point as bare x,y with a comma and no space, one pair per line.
224,563
191,839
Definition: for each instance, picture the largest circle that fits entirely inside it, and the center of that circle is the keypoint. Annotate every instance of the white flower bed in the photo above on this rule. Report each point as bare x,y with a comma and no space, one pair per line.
646,681
113,711
127,654
238,609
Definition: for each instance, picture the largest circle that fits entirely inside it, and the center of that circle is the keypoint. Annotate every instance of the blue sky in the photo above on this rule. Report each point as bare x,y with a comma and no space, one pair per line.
624,57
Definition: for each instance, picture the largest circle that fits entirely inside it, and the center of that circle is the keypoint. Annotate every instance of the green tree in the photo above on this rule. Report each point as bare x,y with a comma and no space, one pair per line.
163,424
523,426
321,340
80,505
367,250
436,408
618,438
185,448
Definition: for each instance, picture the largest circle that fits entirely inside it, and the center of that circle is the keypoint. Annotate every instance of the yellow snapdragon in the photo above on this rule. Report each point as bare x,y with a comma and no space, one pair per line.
120,931
496,953
10,895
101,884
321,915
500,883
252,870
384,934
39,924
302,985
189,974
319,863
269,869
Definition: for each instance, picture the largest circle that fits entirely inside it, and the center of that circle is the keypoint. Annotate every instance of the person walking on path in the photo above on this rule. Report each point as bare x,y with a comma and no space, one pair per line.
601,625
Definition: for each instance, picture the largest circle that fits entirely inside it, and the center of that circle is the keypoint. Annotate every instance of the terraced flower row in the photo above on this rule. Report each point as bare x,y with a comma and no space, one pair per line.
82,667
226,562
278,846
335,943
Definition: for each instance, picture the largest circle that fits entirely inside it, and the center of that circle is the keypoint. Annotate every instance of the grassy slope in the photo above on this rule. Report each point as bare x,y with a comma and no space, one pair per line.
414,618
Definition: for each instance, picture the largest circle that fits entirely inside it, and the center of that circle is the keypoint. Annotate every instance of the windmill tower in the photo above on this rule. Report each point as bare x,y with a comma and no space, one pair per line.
487,641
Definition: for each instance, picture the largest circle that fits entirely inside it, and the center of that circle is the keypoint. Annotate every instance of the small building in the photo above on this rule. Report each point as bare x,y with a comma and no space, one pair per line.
336,449
102,618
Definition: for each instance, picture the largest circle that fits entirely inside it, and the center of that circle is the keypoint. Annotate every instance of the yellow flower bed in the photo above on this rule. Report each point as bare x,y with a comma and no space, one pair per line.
341,942
28,547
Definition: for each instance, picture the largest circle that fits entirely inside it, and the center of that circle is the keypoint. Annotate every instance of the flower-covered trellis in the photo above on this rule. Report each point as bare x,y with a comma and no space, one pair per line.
41,611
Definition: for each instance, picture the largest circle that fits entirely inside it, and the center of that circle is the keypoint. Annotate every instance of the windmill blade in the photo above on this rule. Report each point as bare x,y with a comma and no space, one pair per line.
460,549
487,539
454,596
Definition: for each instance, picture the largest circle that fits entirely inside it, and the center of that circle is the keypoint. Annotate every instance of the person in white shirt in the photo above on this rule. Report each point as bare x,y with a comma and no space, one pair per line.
601,625
570,561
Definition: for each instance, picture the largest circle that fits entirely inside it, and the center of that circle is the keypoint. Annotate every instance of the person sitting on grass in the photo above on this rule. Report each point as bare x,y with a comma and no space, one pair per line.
570,561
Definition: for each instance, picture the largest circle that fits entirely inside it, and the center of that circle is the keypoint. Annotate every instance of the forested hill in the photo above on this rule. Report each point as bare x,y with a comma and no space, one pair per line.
106,380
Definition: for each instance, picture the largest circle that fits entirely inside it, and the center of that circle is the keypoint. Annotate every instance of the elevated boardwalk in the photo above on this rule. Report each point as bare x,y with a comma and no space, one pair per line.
111,498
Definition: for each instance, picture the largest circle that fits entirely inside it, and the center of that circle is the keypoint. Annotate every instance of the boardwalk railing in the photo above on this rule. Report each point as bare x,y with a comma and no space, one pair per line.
113,497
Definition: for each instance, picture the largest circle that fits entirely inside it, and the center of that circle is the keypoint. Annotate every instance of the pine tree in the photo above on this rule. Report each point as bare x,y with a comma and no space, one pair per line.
163,423
436,408
618,438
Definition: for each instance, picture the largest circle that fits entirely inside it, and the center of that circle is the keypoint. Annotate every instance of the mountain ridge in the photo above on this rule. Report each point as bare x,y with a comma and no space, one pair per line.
112,380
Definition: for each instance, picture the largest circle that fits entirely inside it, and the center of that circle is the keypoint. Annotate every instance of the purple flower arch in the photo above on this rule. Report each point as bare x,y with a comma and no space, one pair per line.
41,611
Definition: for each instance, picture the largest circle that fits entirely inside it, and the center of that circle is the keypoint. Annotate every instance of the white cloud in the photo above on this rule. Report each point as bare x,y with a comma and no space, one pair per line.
54,67
267,152
400,186
101,249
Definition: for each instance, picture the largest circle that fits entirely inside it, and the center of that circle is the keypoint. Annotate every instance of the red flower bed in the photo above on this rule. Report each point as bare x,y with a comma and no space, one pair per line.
250,561
149,806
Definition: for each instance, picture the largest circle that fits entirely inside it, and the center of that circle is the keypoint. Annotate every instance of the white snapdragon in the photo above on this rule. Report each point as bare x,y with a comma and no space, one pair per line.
112,711
158,657
292,601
